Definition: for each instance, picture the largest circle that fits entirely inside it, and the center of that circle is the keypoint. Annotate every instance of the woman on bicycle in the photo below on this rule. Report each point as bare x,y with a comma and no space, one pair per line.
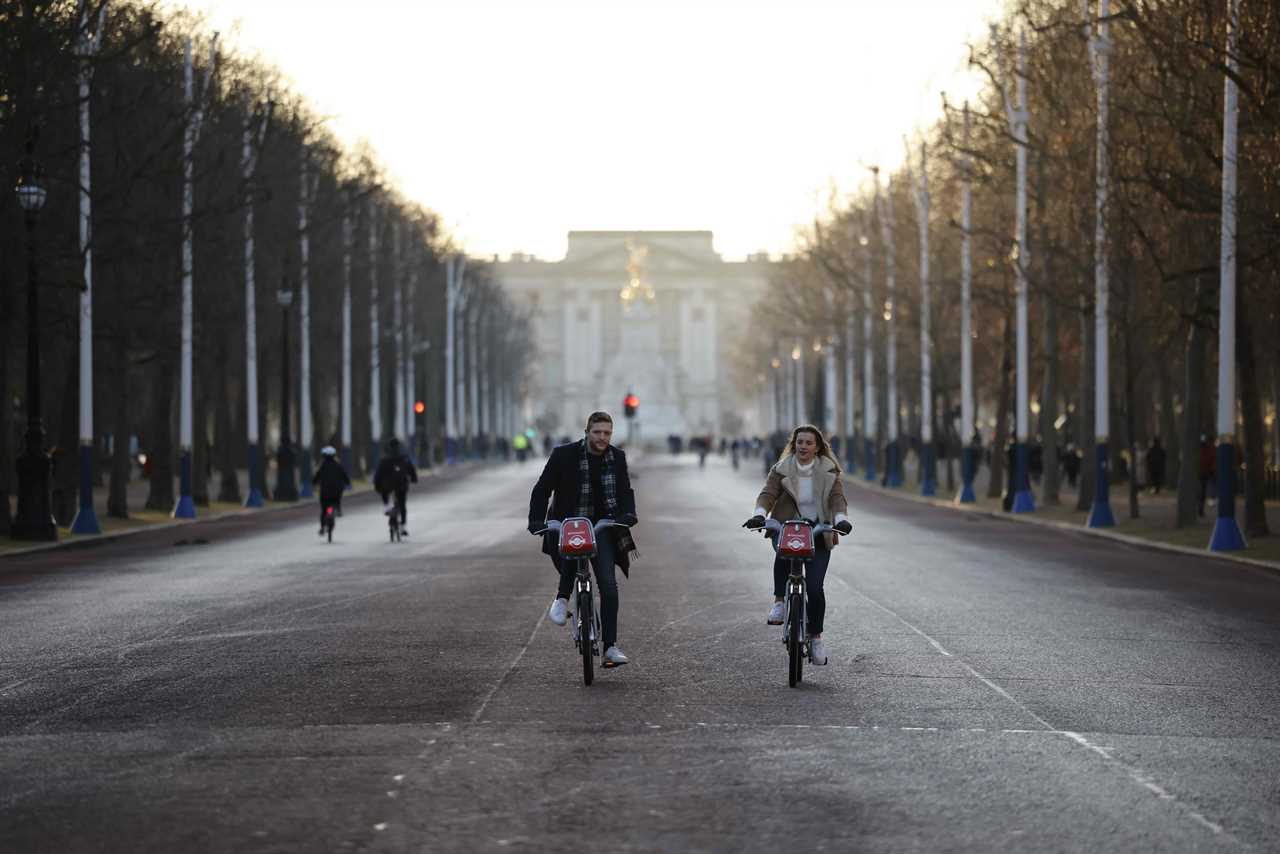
804,484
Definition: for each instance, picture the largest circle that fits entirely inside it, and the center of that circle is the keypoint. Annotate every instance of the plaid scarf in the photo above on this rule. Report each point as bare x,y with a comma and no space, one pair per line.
609,483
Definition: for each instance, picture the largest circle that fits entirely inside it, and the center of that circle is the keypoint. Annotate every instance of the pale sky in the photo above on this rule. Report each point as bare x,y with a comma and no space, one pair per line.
520,120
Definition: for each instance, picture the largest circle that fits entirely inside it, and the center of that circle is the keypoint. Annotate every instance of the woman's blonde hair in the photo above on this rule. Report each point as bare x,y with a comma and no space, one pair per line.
824,449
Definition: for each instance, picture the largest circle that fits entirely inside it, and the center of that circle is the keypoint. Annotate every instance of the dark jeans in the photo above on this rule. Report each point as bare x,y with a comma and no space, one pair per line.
815,573
400,494
606,582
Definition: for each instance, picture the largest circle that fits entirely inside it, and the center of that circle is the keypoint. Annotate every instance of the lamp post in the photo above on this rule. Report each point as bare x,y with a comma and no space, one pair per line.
870,417
968,423
34,520
286,487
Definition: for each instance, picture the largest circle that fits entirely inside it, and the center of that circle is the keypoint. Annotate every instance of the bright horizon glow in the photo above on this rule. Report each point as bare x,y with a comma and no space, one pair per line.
518,121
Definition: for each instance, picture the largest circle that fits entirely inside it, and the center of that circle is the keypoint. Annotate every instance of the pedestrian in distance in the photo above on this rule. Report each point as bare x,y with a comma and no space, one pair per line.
392,478
804,484
1208,468
331,479
1071,464
1156,459
589,478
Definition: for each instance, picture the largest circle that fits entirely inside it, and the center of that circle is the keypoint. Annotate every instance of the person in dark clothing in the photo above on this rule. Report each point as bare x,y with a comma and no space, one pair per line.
394,474
1156,458
589,478
1011,474
331,479
1208,468
1071,464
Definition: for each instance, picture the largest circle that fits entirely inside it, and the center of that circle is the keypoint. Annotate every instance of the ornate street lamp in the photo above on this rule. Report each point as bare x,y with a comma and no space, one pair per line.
286,486
34,520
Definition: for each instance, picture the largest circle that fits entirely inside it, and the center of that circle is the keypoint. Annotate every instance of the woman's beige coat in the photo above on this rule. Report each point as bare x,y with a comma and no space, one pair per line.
780,497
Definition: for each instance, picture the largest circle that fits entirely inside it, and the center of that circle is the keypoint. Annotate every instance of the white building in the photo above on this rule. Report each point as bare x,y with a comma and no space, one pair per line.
648,312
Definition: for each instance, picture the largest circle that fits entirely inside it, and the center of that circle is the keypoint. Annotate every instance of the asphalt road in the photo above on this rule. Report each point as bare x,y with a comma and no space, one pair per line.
992,686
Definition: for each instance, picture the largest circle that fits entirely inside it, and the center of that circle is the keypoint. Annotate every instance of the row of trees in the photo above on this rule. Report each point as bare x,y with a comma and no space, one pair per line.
364,238
1167,65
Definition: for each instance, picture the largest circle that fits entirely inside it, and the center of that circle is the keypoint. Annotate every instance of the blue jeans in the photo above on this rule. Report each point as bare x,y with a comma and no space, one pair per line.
815,573
606,582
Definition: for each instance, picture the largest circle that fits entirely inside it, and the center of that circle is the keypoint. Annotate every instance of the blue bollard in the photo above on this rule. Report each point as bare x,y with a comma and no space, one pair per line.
1227,536
186,507
254,498
967,459
1023,500
1100,515
86,521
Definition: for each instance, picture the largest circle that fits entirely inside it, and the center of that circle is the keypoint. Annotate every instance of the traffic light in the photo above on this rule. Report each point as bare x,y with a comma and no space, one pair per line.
630,404
419,407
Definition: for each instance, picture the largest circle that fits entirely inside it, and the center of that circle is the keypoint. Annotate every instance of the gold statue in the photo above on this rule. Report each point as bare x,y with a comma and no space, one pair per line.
636,285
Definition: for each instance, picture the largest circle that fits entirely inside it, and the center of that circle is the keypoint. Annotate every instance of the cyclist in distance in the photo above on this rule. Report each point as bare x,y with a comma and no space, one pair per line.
394,474
804,484
332,479
589,478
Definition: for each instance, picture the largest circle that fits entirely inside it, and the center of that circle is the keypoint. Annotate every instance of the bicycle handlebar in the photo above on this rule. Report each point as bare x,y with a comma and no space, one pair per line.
555,525
776,527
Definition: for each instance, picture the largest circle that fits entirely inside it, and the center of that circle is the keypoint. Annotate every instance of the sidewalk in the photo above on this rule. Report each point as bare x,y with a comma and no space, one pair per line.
1154,527
151,520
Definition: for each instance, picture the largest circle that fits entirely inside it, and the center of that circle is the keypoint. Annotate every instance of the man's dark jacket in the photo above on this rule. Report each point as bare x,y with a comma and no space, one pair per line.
332,479
394,475
559,484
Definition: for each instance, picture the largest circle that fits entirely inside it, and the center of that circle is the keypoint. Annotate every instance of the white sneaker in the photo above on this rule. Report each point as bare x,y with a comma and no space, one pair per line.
613,657
817,651
558,613
388,509
776,614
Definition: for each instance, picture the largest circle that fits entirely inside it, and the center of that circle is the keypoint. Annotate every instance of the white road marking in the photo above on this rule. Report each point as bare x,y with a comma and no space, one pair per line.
514,664
1136,774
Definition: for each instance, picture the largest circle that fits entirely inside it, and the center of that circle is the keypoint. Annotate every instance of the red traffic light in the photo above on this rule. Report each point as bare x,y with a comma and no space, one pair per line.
419,407
631,401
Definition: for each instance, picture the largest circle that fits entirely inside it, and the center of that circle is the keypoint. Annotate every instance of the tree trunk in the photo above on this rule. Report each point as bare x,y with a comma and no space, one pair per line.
1049,406
1168,422
227,439
1193,410
66,470
1085,436
1131,404
160,441
949,443
199,450
6,430
122,430
1255,455
995,487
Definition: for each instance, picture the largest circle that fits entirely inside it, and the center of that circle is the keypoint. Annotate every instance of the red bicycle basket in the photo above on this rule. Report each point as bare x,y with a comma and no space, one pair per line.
796,541
577,538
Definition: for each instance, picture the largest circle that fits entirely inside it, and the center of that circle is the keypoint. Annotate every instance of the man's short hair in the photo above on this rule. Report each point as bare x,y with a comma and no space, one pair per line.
598,417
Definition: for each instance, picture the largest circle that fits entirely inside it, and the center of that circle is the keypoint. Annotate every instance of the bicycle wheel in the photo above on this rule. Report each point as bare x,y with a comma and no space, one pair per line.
330,531
795,640
585,641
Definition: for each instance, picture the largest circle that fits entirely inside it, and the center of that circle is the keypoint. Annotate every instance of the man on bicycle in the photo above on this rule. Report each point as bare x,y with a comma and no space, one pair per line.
394,474
332,479
589,478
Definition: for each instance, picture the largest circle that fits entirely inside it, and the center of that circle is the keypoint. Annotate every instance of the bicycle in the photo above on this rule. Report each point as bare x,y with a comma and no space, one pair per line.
794,542
393,520
577,543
